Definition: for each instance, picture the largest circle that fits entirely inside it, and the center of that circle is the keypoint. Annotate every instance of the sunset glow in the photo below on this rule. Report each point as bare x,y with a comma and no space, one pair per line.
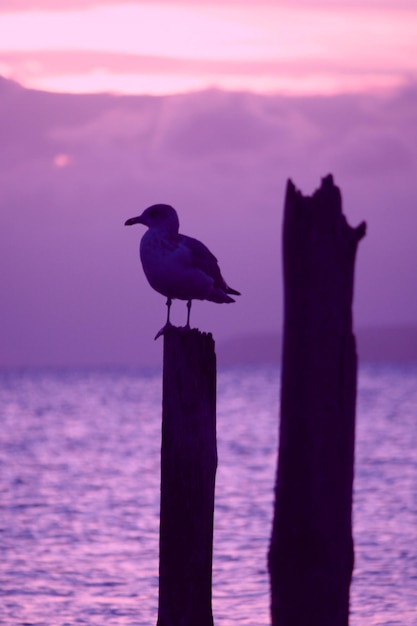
296,50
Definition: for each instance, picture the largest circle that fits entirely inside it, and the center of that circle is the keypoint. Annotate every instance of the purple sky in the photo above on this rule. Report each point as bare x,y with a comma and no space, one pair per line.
74,168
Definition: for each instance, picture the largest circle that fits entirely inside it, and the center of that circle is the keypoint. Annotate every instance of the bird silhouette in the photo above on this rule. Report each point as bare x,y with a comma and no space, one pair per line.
178,266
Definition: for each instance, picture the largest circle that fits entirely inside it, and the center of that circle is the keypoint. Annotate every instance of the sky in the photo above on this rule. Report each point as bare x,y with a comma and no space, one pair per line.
211,108
297,47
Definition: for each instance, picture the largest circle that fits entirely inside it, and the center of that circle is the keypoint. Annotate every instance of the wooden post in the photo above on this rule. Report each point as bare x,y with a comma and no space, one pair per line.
188,469
311,551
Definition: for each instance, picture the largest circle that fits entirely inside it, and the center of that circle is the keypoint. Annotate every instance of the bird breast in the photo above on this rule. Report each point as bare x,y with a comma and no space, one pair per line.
169,268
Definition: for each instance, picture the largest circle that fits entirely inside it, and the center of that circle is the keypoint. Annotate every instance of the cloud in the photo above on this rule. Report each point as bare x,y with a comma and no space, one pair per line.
126,48
72,289
68,5
72,61
100,71
12,6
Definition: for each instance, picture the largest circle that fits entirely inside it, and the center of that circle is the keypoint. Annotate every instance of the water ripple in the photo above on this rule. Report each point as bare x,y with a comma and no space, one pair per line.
79,486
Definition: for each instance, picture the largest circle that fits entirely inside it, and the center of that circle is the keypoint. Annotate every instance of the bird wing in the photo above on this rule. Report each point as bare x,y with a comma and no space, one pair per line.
204,260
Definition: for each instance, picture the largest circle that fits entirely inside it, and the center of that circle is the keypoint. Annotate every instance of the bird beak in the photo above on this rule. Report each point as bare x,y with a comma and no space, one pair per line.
134,220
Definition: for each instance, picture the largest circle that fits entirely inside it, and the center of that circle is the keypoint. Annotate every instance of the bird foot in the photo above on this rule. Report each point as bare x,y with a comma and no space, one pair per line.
168,326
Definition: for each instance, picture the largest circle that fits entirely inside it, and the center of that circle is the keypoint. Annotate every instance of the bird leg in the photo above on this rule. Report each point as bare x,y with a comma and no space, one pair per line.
167,323
188,313
168,303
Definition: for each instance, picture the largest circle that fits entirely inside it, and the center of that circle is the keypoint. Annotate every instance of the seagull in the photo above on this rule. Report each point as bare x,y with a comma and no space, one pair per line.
178,266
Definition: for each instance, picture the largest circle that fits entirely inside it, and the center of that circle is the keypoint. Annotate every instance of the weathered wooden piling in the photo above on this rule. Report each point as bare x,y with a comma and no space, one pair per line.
311,551
188,469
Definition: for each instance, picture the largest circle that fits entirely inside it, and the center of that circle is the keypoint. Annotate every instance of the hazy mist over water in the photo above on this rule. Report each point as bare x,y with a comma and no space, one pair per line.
79,484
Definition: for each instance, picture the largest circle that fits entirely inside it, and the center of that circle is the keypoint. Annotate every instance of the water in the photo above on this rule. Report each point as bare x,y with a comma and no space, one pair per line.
79,482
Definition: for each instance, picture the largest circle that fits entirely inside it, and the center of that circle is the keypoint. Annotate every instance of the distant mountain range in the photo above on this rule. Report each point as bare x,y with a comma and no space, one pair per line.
374,345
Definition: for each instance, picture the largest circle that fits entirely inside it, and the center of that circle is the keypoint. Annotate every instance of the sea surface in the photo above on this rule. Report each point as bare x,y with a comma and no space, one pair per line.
79,485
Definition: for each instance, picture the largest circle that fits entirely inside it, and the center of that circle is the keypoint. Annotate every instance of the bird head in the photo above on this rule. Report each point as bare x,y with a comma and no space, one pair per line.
161,216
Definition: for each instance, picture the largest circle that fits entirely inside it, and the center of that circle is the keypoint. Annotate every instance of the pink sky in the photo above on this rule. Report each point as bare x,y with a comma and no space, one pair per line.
307,47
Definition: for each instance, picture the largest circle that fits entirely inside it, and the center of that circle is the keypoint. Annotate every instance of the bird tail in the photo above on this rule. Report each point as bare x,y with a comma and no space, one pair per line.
220,295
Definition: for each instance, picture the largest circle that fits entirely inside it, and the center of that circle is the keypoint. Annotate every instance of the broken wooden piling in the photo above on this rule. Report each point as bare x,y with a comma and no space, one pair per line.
311,549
